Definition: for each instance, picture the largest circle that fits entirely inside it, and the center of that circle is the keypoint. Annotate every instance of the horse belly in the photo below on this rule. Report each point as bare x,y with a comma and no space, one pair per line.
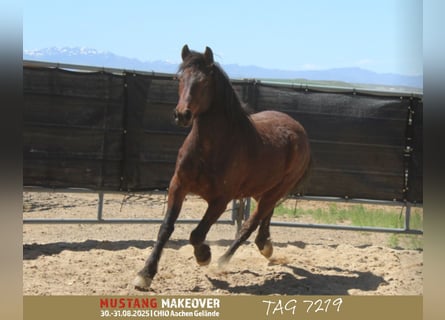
280,156
262,175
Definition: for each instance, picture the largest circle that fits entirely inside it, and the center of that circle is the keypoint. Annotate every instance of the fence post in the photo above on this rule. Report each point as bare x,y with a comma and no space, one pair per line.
407,217
100,206
240,212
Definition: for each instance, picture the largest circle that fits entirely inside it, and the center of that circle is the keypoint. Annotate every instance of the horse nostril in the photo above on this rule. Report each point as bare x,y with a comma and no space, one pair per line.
182,118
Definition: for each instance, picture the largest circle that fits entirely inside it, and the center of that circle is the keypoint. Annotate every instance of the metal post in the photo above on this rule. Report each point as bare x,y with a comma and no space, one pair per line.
247,209
100,206
237,214
407,217
240,212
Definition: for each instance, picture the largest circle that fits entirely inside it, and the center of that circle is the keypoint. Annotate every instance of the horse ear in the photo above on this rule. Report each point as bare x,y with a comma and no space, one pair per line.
208,54
185,52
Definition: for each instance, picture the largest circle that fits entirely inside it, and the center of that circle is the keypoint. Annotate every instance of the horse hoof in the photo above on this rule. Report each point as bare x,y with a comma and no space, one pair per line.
204,263
141,283
267,249
203,254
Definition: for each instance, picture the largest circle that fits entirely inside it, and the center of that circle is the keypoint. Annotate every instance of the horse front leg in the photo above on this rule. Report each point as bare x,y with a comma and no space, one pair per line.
176,197
202,251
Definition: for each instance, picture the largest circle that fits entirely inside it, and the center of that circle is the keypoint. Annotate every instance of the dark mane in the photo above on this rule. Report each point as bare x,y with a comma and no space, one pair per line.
226,95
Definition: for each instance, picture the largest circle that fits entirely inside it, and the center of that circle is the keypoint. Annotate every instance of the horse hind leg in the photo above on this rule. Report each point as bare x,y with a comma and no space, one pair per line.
246,230
262,239
262,214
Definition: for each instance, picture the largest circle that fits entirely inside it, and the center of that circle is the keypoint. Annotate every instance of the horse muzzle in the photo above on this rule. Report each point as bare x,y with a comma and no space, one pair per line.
183,119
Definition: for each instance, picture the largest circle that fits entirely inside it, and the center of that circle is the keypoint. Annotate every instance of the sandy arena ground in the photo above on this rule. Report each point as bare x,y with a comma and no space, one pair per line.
82,259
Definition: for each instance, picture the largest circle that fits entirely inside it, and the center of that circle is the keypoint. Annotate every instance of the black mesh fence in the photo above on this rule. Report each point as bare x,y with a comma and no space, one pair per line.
115,132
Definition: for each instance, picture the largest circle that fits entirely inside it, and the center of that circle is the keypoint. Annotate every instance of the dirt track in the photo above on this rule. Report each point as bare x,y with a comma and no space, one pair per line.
85,259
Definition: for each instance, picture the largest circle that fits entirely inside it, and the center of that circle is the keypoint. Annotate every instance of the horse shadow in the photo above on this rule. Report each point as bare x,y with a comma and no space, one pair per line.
295,281
299,281
35,250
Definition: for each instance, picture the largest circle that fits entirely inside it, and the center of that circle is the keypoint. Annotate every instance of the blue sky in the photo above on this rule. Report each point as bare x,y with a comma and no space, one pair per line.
380,35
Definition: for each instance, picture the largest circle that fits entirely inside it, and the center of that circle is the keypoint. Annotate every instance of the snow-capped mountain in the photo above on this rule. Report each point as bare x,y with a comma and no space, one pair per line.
93,57
65,51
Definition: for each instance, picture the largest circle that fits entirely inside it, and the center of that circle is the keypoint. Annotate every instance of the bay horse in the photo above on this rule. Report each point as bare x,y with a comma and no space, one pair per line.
227,155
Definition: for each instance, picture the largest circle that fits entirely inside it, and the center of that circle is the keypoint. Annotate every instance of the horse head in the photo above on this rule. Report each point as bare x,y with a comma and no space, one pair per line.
196,85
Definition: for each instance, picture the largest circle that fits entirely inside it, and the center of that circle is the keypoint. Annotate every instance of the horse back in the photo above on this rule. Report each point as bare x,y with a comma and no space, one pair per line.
278,130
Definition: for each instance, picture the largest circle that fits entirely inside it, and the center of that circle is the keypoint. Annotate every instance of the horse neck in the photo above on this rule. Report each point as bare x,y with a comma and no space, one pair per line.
211,126
227,103
223,119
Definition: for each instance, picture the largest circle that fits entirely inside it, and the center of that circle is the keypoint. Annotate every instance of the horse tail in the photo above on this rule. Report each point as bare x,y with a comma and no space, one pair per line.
302,184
